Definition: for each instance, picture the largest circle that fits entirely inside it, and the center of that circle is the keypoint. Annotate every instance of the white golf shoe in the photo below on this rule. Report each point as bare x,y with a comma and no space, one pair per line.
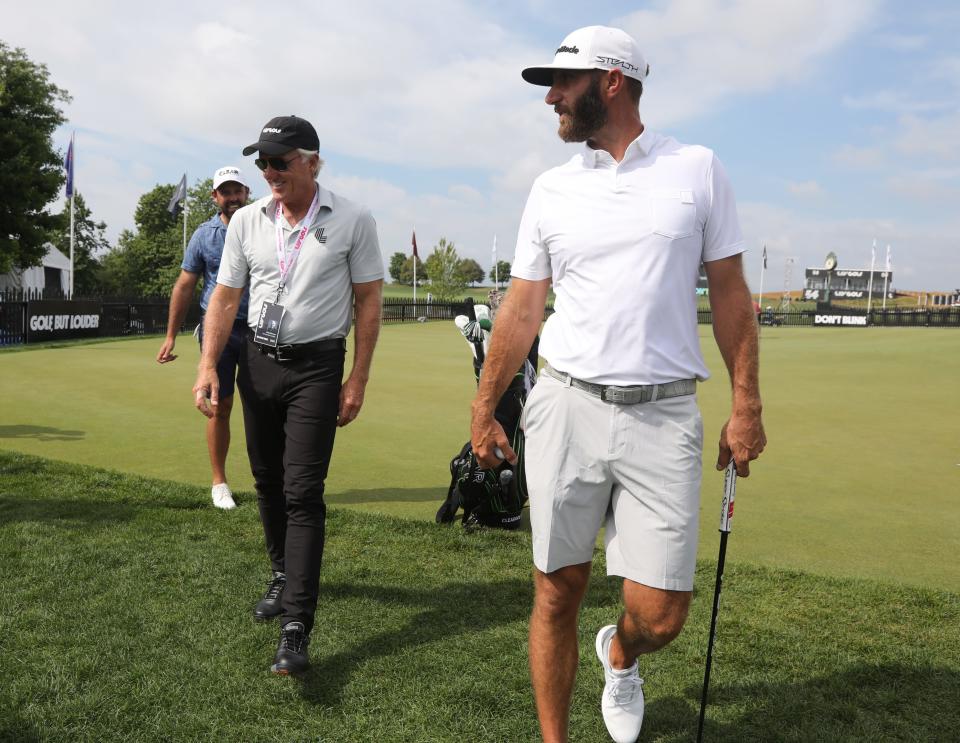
222,496
622,701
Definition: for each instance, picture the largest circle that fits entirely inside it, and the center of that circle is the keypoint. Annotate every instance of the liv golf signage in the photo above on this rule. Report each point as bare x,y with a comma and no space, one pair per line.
54,320
846,321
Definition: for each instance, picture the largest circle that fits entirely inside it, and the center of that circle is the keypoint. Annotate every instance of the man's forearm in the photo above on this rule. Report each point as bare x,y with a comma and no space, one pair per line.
735,330
180,299
365,333
517,324
217,323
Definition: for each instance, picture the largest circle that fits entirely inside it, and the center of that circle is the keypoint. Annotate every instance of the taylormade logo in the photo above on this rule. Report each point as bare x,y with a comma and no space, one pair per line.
271,130
568,50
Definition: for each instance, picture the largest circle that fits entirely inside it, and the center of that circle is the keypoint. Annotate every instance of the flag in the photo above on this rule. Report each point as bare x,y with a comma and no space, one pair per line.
415,244
179,193
764,257
888,259
69,166
494,250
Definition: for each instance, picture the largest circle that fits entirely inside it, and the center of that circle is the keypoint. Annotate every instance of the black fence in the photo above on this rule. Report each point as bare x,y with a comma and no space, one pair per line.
407,310
945,317
27,317
35,316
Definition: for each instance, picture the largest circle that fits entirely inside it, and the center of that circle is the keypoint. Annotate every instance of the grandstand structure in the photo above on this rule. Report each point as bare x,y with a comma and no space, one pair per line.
821,284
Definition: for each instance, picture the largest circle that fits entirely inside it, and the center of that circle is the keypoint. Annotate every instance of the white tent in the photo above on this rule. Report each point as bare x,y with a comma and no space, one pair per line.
55,267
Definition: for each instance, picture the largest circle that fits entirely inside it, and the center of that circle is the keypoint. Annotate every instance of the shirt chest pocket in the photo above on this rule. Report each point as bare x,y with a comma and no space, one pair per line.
673,212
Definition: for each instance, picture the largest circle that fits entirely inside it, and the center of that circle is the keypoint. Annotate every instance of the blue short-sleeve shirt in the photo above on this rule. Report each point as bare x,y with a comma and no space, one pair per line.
203,256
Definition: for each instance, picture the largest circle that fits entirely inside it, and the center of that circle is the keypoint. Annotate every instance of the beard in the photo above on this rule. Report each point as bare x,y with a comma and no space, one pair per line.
587,117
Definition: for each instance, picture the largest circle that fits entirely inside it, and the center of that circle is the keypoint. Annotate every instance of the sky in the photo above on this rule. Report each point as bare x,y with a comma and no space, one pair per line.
838,122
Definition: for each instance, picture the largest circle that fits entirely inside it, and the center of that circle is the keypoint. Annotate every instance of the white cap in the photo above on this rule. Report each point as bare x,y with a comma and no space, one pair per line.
593,48
226,174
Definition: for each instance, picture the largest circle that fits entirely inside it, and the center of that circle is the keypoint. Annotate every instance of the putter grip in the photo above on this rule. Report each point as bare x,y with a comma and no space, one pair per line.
729,494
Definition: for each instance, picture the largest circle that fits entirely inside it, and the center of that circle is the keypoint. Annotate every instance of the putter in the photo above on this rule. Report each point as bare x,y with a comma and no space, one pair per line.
726,521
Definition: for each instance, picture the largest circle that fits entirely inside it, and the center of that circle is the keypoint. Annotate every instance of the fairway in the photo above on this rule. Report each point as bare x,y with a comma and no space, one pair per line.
126,617
859,479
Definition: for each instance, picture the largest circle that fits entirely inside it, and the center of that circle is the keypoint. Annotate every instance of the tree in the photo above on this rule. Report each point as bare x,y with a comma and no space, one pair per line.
471,271
32,171
443,269
406,273
501,272
90,243
147,262
396,266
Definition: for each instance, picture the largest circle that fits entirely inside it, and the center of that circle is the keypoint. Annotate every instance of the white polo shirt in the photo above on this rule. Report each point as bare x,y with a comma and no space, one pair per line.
623,243
340,250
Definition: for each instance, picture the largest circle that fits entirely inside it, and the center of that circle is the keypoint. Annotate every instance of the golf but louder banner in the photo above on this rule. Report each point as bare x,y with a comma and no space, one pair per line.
54,320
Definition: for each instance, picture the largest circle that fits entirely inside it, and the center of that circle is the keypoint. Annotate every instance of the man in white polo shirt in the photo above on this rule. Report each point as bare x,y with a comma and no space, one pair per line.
312,260
613,433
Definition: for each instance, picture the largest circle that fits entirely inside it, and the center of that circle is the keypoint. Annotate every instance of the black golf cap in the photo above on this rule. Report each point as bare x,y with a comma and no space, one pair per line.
284,133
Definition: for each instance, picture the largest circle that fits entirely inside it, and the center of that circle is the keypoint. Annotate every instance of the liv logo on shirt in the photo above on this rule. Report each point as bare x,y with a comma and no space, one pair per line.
321,238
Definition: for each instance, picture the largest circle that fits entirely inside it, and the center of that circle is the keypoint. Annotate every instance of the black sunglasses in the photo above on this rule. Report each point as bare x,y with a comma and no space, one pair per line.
277,163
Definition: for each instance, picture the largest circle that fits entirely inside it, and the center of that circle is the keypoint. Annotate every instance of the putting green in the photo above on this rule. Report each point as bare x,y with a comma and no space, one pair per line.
860,477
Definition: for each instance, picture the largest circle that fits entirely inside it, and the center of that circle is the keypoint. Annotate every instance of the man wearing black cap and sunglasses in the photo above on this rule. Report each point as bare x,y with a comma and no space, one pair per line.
312,261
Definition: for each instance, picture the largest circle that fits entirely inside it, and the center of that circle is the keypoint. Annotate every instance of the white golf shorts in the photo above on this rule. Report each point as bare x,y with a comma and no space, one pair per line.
634,468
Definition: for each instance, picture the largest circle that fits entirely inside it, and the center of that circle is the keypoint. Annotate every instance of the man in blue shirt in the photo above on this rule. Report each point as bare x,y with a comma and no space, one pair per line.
202,258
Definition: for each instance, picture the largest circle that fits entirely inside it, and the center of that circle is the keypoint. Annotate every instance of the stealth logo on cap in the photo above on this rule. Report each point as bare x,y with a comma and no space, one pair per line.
617,63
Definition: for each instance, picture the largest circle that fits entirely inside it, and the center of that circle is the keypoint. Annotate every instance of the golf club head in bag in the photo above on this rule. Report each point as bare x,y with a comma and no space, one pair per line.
492,497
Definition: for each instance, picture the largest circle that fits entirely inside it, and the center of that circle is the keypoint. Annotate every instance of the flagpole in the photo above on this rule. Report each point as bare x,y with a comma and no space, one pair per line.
73,189
886,279
763,267
873,260
496,266
414,268
185,199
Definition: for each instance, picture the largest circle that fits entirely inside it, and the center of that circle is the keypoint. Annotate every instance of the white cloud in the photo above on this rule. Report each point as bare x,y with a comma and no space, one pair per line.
937,138
932,186
894,102
702,52
903,42
805,189
859,158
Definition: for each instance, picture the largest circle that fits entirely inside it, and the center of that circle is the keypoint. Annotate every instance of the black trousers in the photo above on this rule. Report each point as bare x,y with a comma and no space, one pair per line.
290,415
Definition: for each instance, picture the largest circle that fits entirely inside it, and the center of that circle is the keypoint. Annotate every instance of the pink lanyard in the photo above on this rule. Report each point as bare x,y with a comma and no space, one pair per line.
288,260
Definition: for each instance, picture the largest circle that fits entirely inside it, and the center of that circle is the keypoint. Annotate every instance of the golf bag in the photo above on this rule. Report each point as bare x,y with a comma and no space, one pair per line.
491,497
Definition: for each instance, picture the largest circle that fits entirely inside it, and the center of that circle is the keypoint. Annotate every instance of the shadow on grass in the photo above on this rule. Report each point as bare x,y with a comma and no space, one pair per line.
15,728
452,611
862,702
83,511
388,495
41,433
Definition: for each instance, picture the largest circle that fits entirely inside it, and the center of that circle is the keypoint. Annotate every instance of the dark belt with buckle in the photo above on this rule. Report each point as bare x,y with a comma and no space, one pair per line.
626,395
296,351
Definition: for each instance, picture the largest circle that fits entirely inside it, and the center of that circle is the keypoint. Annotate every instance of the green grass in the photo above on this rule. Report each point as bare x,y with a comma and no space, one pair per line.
859,479
126,617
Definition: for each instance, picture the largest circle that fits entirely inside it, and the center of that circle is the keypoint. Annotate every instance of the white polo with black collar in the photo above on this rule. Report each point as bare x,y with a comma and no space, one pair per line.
623,243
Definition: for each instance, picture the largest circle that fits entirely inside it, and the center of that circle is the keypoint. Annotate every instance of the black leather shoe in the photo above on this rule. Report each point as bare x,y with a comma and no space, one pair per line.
291,654
269,606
